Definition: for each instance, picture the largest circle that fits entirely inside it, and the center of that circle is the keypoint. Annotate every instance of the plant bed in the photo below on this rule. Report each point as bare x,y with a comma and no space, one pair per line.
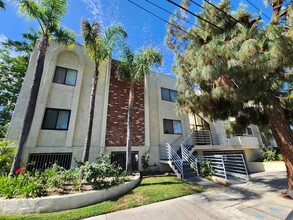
150,190
72,200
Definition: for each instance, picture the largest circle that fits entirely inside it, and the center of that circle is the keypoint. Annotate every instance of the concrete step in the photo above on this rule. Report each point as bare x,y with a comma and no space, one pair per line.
189,175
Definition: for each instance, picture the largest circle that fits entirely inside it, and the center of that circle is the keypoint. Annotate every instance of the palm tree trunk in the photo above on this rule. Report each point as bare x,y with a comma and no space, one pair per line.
283,134
129,129
87,144
31,106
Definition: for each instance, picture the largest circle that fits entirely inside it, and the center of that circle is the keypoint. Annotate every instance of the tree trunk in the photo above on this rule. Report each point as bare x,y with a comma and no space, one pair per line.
283,134
276,11
87,143
129,129
31,106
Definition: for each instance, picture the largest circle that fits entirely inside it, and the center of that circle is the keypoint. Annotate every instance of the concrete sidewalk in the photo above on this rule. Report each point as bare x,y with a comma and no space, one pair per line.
260,198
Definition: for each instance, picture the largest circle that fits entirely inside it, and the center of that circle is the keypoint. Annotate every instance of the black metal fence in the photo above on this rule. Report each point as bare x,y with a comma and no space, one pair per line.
119,157
41,161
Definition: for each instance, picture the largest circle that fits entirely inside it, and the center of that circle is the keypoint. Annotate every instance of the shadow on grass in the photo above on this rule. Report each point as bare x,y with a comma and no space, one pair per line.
161,183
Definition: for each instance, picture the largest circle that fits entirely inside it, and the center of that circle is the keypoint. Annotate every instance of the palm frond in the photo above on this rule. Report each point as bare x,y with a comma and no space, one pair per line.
134,67
2,4
114,35
150,57
32,9
90,34
64,36
53,10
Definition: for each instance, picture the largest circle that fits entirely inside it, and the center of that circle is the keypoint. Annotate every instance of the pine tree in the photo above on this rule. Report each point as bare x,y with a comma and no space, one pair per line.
243,69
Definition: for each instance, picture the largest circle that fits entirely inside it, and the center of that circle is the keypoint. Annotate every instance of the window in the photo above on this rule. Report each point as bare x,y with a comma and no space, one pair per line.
172,126
169,94
65,76
56,119
249,131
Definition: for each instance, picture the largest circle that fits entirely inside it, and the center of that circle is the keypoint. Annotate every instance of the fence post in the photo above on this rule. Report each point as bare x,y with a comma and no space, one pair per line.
224,166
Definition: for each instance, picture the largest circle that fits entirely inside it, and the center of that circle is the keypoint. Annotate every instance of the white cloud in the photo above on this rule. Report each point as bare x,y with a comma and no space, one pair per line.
105,14
3,38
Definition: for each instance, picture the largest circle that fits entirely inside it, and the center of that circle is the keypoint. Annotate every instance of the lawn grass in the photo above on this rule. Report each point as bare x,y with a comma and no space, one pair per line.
151,189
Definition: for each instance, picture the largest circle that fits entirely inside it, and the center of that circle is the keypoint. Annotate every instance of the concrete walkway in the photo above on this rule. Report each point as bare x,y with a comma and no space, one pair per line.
261,198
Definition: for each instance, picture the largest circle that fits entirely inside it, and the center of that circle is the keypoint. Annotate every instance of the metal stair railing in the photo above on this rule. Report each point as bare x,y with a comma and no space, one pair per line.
186,146
175,158
190,158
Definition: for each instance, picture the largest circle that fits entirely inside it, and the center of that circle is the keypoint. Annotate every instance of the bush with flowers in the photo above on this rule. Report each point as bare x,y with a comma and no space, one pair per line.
56,179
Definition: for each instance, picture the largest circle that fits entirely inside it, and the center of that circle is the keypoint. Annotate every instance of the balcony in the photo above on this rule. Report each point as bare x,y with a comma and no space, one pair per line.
205,140
244,142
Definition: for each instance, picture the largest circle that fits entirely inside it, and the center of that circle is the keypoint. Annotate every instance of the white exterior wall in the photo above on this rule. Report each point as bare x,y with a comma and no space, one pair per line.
60,96
76,98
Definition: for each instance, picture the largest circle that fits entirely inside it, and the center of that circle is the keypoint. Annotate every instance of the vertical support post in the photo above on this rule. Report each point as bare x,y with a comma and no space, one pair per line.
224,167
245,166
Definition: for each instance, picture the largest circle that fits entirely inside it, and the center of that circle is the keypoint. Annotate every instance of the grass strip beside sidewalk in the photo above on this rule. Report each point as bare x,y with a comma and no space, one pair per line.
151,190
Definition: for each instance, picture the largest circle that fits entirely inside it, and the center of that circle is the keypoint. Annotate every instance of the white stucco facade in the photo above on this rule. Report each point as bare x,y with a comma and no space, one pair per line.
76,100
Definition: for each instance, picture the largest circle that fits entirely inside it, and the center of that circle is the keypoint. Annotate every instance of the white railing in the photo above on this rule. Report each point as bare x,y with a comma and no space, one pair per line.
217,164
186,146
175,158
202,137
228,164
205,137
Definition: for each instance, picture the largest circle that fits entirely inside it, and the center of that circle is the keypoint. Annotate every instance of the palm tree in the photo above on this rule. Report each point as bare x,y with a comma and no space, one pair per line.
98,46
48,14
133,68
2,4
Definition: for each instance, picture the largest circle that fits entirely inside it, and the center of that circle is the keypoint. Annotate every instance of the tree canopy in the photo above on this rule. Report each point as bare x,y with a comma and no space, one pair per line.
12,72
48,14
240,70
242,67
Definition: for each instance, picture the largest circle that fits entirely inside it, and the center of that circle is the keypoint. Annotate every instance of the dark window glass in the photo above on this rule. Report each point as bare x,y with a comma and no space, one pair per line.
50,119
62,121
177,127
165,94
71,77
56,119
65,76
249,131
169,94
60,75
173,95
172,126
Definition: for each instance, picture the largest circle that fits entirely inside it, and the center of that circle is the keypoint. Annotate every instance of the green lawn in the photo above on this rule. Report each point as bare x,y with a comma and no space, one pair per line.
151,189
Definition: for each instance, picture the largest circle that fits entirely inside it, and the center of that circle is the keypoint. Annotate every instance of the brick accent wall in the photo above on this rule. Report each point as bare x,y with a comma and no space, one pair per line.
117,112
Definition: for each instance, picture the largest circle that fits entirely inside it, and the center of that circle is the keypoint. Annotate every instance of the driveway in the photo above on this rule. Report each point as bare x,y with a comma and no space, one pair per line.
261,198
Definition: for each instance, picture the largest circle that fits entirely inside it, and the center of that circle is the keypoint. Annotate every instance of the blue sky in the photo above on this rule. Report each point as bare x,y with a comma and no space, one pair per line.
143,29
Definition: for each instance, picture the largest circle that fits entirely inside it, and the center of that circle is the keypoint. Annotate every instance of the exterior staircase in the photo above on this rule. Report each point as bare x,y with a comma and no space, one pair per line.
180,161
231,167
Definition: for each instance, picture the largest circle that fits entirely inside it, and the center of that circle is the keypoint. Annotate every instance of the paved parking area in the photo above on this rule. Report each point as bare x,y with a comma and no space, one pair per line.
261,198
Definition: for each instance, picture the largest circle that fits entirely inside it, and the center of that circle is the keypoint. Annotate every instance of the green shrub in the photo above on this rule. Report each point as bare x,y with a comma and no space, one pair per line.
102,174
270,155
22,185
56,176
205,168
280,157
145,161
6,156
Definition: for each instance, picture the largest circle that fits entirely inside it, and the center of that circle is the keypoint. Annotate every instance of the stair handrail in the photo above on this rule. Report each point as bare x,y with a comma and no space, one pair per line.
188,141
175,158
189,157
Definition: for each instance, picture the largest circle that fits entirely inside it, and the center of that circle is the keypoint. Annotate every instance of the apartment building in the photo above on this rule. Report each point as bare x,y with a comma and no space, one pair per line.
59,127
